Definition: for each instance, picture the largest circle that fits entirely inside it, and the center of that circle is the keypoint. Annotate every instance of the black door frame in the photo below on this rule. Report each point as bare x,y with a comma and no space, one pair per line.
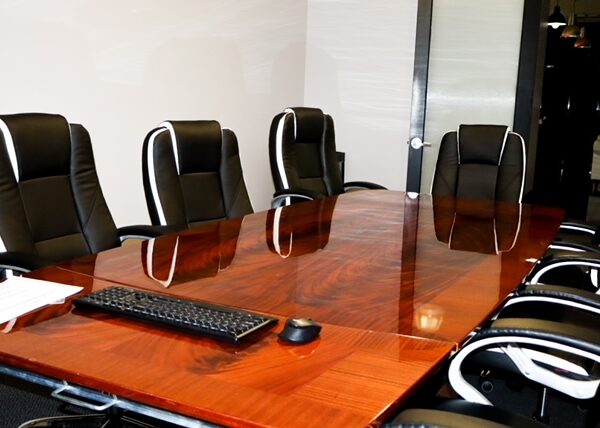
530,80
419,94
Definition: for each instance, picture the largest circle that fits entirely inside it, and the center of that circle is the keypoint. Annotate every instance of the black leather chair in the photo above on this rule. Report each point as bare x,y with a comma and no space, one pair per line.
192,174
51,204
557,353
303,158
544,340
481,162
577,236
570,267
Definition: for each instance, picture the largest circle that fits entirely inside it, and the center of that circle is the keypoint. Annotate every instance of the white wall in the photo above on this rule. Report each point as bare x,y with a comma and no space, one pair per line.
359,68
121,67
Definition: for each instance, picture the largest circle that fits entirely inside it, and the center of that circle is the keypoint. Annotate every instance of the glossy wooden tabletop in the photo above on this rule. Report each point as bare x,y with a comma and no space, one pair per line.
396,283
348,377
369,260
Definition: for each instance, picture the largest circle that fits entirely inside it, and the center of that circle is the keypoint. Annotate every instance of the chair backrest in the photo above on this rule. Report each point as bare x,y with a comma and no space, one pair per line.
481,162
302,152
51,203
192,174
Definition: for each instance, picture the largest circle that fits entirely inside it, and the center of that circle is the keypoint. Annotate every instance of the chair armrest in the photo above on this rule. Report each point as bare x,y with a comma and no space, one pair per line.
21,262
574,235
573,246
286,197
548,353
574,226
445,412
360,185
146,231
560,259
556,294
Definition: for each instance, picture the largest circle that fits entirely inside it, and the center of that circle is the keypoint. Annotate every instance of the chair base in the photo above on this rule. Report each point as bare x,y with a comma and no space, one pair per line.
87,421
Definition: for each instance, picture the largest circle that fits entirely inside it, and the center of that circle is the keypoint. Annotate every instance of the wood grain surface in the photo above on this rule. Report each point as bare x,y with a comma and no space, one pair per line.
397,284
348,377
369,260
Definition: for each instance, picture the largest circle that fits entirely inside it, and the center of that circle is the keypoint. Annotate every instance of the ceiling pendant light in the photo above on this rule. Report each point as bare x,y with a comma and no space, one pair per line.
582,42
571,30
556,19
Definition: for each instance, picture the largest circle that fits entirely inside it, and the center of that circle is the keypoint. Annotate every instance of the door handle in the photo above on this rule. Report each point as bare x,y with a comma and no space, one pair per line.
416,143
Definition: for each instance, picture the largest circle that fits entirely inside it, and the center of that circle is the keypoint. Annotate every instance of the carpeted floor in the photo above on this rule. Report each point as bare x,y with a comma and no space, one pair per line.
21,402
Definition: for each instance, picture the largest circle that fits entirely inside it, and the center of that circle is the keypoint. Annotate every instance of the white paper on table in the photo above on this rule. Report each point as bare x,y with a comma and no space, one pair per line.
19,295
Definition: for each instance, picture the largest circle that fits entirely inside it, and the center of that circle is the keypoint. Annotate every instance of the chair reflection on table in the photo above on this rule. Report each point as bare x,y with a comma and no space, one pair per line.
488,227
165,261
479,226
303,230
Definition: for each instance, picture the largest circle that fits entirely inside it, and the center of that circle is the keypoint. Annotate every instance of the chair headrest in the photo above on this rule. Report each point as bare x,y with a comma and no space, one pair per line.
196,144
38,144
310,123
481,143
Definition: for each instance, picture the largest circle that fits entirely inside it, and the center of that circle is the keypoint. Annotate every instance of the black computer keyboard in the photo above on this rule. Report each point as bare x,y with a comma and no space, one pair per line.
196,317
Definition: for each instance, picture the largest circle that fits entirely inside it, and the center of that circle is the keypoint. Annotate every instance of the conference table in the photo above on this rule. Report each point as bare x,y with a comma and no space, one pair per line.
397,281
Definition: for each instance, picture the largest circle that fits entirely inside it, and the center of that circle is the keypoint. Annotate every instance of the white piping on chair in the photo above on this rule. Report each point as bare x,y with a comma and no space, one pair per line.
289,110
503,145
152,176
149,253
10,148
171,130
276,220
458,143
550,299
506,134
580,389
578,228
524,164
536,278
279,147
496,247
12,155
518,226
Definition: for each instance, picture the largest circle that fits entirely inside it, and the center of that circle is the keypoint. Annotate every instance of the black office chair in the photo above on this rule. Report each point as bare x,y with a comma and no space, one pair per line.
192,174
488,162
51,205
542,345
559,358
303,158
481,162
575,235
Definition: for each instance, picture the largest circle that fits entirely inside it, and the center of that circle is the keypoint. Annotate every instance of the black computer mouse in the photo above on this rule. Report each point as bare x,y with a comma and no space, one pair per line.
300,331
